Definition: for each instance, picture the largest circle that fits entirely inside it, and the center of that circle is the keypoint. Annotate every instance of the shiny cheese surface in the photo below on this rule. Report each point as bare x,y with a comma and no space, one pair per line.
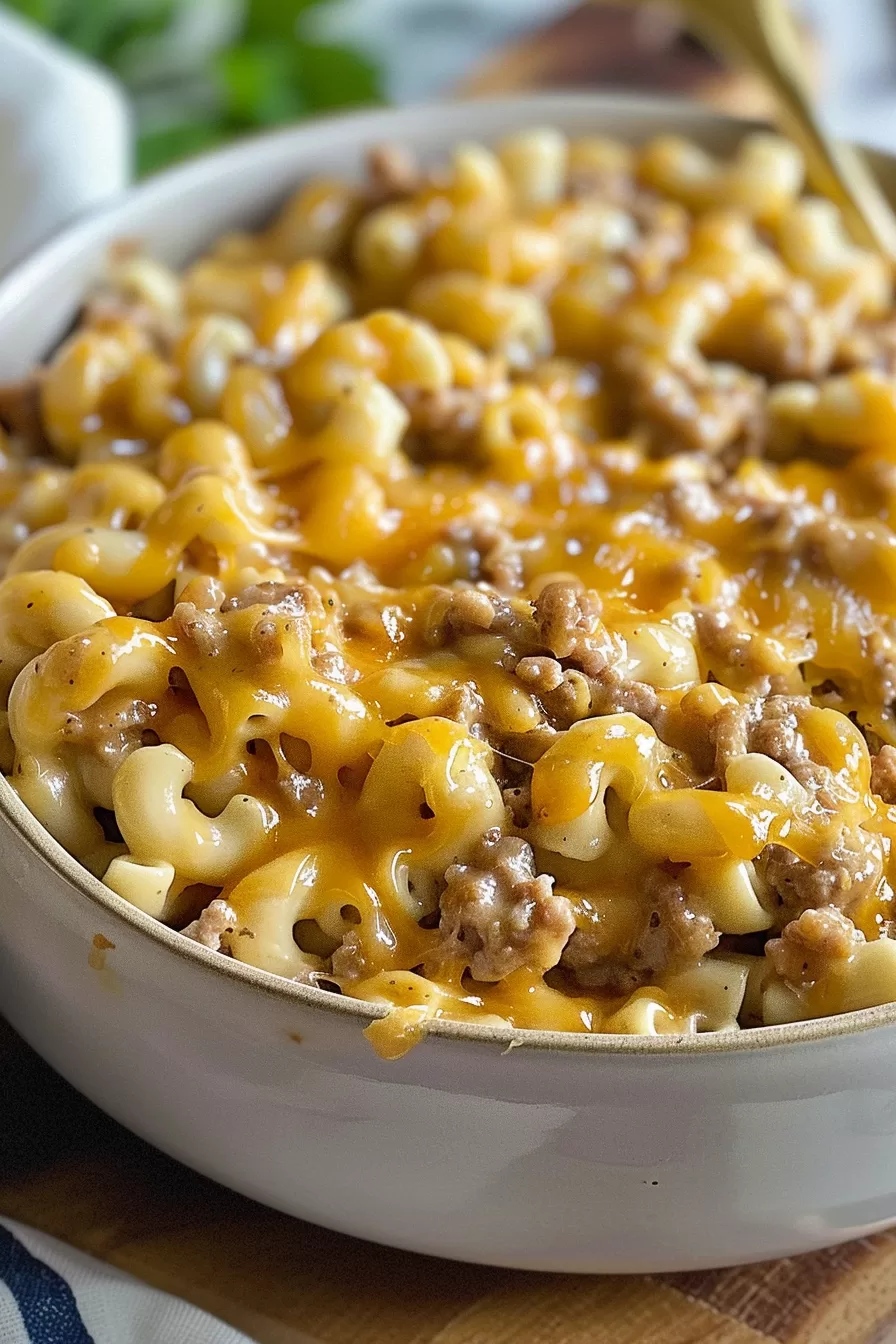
475,592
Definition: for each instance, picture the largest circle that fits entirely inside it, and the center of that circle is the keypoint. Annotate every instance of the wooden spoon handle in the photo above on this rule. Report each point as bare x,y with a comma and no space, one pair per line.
763,33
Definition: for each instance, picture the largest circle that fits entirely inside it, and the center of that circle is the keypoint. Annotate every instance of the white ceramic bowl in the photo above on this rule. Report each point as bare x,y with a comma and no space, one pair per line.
529,1149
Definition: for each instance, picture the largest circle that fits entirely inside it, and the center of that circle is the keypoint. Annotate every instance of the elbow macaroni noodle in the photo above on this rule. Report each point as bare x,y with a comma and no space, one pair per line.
489,567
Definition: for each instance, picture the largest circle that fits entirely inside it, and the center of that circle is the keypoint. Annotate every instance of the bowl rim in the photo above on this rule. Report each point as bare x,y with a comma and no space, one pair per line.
25,826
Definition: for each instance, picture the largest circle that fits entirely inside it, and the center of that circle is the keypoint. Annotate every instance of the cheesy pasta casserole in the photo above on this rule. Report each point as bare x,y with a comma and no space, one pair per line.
475,593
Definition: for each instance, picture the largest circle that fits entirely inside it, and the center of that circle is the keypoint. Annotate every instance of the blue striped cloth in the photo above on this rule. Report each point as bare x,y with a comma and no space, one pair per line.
52,1294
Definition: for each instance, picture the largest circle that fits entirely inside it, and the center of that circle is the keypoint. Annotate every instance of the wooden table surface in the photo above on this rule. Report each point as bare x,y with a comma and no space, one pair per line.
71,1171
68,1169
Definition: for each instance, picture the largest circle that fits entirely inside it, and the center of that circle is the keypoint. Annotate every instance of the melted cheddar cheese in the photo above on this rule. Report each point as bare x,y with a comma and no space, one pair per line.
474,592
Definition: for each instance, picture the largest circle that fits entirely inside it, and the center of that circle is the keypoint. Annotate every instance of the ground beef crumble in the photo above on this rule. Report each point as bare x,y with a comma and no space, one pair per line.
216,921
110,732
772,727
289,597
444,423
265,642
20,412
465,705
498,915
811,944
557,646
692,406
455,612
848,874
672,937
393,172
568,621
470,610
540,674
879,664
203,629
852,868
349,961
883,774
489,553
690,504
795,337
868,345
729,645
613,693
518,801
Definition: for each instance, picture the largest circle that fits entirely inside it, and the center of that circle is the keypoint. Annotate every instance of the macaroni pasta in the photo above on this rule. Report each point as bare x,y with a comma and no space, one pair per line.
474,592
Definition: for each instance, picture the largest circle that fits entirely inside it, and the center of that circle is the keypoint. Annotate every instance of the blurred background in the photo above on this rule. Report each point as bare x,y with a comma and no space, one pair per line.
200,72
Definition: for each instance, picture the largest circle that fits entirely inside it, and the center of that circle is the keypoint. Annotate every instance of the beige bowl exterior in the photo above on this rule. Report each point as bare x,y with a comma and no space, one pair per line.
534,1150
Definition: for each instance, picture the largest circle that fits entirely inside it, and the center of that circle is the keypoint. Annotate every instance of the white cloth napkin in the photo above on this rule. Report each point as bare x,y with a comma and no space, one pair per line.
52,1294
64,137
